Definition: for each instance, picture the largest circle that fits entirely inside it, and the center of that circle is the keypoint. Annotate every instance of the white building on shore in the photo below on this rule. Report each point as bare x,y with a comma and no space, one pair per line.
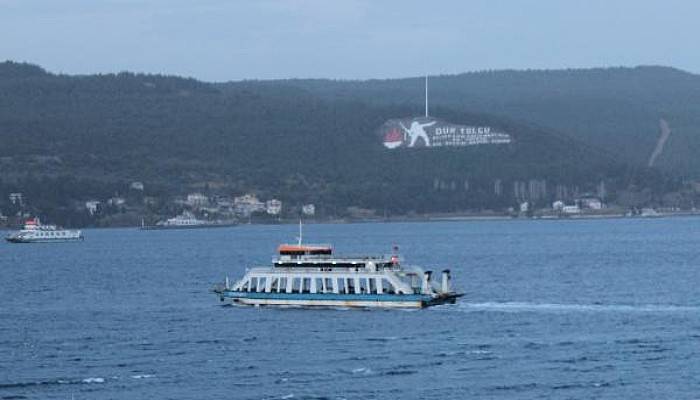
308,209
558,205
248,204
93,206
590,202
196,200
17,199
571,210
273,207
116,201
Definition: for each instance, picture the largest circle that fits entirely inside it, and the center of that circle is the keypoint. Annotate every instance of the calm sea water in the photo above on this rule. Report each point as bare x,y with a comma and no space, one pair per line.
553,309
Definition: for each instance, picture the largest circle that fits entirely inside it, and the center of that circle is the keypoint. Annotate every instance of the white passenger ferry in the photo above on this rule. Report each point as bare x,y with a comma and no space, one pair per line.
311,276
35,232
187,220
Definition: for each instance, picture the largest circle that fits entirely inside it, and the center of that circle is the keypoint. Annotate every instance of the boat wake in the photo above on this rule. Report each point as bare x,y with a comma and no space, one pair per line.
567,308
13,385
65,381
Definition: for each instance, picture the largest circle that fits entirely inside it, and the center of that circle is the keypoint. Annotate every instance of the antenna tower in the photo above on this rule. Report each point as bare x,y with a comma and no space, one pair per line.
426,96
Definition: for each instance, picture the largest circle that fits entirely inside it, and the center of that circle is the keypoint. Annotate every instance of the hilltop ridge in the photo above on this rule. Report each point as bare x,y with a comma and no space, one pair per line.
617,109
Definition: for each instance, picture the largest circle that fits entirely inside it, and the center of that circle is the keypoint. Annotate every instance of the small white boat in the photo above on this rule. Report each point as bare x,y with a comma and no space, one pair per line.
34,232
649,213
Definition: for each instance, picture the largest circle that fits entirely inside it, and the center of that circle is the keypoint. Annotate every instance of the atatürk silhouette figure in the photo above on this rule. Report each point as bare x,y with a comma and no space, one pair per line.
417,131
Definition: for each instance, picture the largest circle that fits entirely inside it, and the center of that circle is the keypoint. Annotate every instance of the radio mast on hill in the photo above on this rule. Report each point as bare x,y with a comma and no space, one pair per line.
426,96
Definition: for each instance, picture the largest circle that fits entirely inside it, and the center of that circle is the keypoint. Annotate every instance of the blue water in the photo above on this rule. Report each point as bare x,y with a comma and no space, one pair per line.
553,309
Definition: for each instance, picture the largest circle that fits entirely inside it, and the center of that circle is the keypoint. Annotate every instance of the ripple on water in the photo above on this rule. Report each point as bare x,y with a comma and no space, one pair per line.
381,339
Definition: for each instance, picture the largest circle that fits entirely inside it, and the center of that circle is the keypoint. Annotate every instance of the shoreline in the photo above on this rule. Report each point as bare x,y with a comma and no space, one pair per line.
457,217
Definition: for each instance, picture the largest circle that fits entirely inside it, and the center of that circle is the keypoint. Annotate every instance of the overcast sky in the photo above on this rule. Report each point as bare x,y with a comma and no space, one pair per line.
218,40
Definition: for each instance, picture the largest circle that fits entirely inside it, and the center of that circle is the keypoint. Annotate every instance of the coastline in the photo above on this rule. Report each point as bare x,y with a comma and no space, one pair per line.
437,217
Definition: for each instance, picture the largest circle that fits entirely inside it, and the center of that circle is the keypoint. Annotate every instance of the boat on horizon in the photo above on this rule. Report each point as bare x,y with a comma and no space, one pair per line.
187,220
311,276
649,212
35,232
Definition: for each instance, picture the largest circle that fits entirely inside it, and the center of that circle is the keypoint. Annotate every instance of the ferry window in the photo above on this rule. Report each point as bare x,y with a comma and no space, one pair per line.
273,285
329,285
281,284
351,285
364,288
306,285
415,282
340,285
387,287
296,285
372,286
261,284
253,284
319,285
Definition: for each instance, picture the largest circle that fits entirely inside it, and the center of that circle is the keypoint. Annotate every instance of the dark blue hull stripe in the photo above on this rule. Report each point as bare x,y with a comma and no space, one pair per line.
326,296
43,240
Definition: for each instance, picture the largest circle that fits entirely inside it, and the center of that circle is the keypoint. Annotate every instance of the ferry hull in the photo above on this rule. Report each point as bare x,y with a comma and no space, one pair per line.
336,300
328,303
174,227
43,240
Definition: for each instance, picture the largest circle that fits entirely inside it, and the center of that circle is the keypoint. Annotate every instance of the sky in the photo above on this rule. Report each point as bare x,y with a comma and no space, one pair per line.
222,40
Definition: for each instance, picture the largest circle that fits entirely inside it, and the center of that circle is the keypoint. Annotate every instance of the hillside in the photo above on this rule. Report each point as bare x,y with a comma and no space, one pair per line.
616,109
67,139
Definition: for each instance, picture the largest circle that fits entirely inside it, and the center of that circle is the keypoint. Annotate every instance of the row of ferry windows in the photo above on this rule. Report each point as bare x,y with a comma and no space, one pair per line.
322,285
49,234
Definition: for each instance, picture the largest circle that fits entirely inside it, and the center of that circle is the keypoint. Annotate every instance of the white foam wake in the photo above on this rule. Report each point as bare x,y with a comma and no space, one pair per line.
145,376
565,308
94,380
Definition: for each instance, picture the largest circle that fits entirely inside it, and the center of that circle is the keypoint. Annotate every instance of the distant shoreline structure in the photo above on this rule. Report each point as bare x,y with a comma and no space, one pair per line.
466,217
437,217
187,220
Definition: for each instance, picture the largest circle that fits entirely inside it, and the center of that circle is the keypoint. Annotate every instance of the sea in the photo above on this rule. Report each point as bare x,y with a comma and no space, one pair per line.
558,309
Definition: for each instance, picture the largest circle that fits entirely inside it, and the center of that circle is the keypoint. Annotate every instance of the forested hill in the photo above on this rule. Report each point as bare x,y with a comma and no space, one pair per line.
67,139
617,109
